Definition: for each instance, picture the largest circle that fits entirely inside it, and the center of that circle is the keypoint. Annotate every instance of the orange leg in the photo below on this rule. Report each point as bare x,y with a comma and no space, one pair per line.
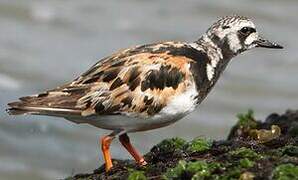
105,147
124,139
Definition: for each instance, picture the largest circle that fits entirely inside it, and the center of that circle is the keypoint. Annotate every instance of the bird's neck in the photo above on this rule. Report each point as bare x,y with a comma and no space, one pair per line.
218,54
211,66
215,48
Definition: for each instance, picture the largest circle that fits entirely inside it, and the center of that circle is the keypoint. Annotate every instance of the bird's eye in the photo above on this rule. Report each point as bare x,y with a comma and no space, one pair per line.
247,30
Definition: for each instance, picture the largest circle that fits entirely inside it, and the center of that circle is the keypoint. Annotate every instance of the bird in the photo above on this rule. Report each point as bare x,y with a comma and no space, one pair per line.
147,86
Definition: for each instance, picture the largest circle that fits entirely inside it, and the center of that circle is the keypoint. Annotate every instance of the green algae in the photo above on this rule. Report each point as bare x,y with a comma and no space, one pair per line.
196,145
246,163
172,144
231,174
177,171
199,145
290,150
136,175
244,152
247,120
235,169
286,172
194,170
201,170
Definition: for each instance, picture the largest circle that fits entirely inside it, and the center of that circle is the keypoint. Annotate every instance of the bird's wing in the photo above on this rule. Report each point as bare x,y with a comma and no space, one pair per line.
138,81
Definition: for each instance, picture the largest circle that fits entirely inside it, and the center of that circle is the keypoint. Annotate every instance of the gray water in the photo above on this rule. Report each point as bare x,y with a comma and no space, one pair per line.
44,44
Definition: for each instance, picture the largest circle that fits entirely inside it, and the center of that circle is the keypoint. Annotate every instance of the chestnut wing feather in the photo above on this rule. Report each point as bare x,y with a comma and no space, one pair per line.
138,81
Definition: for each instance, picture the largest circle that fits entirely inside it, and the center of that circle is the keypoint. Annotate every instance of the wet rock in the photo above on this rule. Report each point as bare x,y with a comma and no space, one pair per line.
253,150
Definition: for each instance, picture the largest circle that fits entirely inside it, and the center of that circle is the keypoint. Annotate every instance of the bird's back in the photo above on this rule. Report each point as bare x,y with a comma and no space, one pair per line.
139,81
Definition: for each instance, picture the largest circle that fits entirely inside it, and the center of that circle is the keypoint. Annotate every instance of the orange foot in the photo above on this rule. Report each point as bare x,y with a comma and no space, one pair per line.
105,147
124,139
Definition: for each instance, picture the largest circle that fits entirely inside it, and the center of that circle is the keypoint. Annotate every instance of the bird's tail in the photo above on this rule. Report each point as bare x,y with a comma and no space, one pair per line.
39,106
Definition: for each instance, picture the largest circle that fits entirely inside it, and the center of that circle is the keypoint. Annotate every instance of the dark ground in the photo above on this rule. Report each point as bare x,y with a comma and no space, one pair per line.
253,150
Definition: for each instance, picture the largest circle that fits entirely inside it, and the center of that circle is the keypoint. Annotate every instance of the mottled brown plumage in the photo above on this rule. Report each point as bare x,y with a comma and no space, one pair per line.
139,81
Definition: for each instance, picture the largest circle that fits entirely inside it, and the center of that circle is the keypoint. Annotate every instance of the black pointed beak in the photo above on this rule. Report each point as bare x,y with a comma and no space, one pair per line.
267,44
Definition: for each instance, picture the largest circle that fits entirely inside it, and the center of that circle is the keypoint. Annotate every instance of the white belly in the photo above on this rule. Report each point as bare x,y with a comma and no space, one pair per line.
176,109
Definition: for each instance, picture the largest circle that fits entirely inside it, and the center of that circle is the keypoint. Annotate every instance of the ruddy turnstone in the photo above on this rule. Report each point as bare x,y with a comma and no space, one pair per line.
148,86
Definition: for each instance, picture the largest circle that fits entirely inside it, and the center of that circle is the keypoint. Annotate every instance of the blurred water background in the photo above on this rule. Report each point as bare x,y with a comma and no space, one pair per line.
46,43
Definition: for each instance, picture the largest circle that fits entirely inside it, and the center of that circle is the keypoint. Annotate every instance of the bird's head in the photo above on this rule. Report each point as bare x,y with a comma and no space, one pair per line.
236,34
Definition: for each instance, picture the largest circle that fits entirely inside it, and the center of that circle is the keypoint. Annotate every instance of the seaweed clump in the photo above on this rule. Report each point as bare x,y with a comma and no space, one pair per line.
194,170
253,150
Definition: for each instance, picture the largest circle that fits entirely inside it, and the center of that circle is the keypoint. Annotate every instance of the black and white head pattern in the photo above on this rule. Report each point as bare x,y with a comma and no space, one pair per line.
234,33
